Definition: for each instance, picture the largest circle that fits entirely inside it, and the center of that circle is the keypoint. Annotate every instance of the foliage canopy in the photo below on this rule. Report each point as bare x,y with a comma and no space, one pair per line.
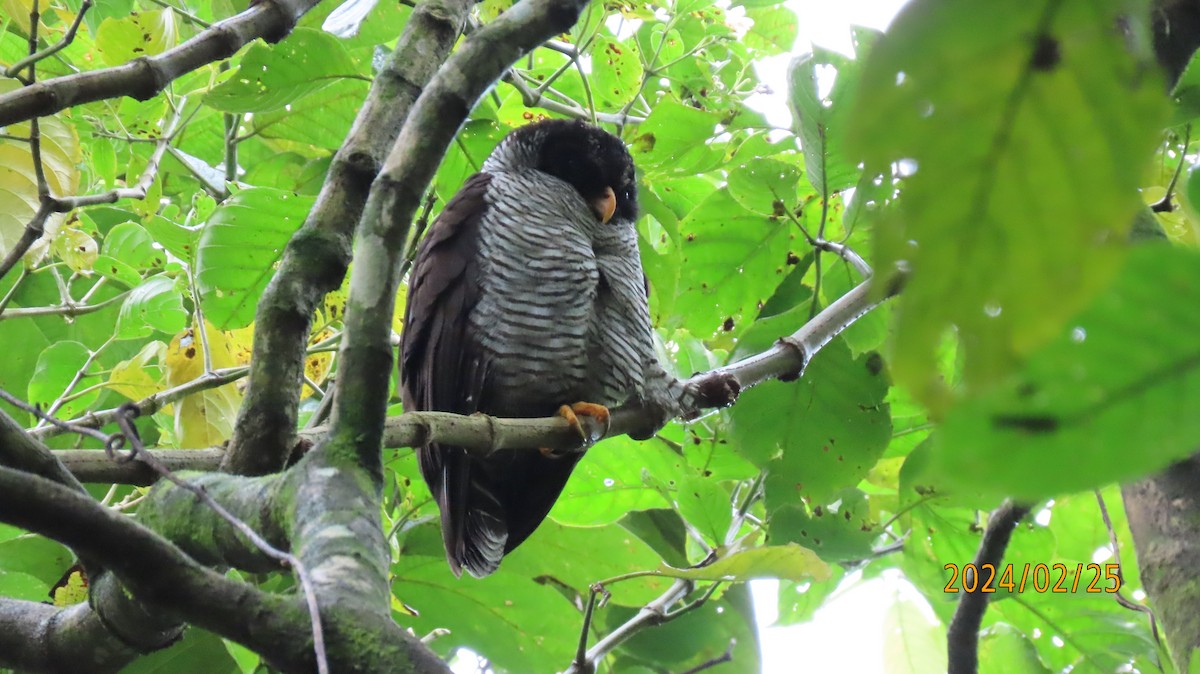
994,153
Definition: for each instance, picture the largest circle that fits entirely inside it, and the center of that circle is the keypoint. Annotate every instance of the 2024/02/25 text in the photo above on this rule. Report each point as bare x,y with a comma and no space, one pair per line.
1056,578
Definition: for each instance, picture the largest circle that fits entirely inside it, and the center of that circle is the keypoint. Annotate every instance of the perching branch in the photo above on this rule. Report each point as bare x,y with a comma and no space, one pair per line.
485,434
143,78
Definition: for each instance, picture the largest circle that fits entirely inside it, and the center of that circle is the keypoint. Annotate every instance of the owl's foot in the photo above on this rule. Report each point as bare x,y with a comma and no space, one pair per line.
572,413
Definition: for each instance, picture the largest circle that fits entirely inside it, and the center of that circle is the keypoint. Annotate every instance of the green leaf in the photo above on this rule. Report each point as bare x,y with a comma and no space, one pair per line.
661,529
817,435
704,504
272,76
554,552
611,481
199,652
1020,169
247,660
137,35
1115,380
765,186
130,243
1003,649
732,261
518,624
17,585
104,161
77,249
1096,633
179,240
320,119
837,533
789,562
821,121
154,305
239,248
674,140
116,270
616,71
798,601
36,556
57,367
774,29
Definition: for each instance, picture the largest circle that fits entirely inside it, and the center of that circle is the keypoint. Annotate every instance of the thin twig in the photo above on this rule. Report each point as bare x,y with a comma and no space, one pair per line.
727,656
79,375
535,99
68,310
1116,550
1164,205
152,403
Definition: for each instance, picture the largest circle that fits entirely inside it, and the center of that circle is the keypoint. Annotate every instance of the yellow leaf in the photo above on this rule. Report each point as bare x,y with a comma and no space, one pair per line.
61,156
18,11
132,379
73,591
317,365
139,34
206,418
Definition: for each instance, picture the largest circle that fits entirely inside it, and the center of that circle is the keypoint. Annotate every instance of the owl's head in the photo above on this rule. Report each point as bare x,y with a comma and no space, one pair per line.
586,157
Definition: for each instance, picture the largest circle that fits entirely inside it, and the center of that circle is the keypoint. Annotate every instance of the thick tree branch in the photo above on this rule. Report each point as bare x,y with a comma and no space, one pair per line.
1164,518
161,576
315,259
144,78
66,639
21,451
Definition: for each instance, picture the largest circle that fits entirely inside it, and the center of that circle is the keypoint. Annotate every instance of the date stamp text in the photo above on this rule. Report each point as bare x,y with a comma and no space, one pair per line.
1055,578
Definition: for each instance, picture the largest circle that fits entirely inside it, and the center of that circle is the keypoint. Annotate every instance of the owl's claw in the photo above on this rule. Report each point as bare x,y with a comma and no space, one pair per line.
571,413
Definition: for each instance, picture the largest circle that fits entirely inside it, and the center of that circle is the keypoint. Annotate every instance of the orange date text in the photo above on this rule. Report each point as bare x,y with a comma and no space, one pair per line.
1054,578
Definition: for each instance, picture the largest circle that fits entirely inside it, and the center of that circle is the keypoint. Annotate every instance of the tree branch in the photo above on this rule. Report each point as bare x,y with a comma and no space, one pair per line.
161,576
486,434
962,636
143,78
67,639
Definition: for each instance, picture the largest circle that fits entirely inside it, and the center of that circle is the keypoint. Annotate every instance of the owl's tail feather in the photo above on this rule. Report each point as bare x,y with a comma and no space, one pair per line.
480,545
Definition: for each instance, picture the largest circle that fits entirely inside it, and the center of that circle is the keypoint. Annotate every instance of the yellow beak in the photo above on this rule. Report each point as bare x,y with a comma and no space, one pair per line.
605,205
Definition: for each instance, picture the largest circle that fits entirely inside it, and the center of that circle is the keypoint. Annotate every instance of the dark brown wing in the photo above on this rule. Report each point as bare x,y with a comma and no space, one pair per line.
443,369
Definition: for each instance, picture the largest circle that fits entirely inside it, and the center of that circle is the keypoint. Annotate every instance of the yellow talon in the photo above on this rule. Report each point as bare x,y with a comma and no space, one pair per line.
570,413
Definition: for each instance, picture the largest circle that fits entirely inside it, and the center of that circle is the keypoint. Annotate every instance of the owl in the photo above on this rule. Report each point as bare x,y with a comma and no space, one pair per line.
528,295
